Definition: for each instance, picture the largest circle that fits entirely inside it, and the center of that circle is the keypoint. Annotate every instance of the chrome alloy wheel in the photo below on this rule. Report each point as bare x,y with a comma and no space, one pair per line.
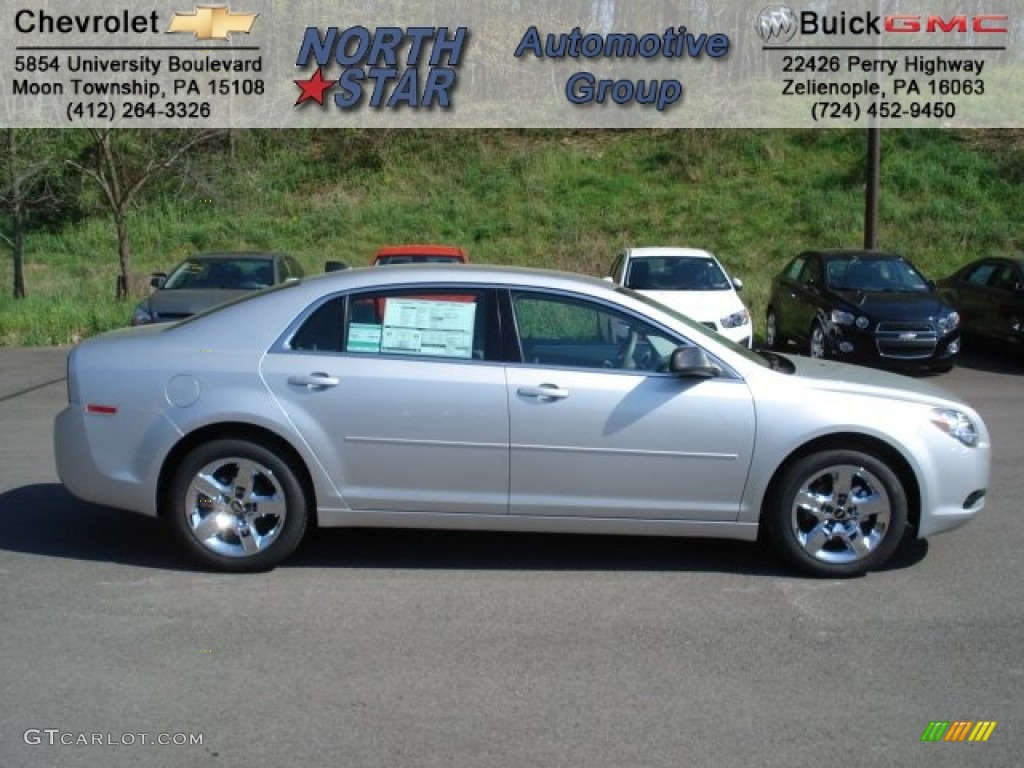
841,514
816,346
235,507
771,333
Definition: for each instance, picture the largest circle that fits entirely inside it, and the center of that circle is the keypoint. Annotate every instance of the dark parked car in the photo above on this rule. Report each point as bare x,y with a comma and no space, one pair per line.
862,307
206,279
989,295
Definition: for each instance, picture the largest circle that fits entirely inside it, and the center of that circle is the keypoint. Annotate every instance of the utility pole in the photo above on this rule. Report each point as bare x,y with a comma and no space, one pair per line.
872,187
873,163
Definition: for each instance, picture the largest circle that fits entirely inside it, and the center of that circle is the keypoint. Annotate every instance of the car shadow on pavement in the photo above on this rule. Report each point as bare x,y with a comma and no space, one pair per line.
46,520
472,550
480,550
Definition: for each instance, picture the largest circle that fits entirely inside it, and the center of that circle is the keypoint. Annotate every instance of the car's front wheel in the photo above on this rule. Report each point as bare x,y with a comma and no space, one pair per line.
817,345
772,338
236,506
837,513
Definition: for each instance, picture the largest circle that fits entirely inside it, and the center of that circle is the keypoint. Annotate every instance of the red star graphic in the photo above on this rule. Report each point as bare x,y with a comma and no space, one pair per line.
313,88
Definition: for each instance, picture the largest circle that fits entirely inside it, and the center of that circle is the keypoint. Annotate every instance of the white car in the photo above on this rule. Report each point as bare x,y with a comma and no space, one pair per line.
688,280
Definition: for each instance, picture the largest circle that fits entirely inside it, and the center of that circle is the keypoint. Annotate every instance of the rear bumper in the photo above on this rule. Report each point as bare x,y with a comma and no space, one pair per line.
112,460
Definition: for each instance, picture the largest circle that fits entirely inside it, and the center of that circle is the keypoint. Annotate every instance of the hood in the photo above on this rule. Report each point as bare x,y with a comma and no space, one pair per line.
831,376
897,306
702,306
178,303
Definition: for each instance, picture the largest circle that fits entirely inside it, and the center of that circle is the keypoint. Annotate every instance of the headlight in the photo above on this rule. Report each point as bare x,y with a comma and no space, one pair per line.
736,319
955,424
862,322
141,316
950,322
839,317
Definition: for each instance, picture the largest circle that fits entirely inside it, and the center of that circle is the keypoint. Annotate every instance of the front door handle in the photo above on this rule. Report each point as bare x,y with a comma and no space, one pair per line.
315,381
544,392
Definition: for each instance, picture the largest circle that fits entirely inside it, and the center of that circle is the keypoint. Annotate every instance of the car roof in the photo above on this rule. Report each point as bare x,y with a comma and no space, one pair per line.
464,274
420,250
839,254
226,255
667,251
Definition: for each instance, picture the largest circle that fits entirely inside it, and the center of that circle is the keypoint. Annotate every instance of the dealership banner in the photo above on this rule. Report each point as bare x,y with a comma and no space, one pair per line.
512,63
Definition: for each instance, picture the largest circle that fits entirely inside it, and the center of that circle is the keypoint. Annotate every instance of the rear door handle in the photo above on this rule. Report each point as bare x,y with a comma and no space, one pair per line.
315,381
544,392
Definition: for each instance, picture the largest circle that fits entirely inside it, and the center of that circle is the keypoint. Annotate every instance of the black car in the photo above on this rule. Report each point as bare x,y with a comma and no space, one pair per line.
989,295
206,279
862,307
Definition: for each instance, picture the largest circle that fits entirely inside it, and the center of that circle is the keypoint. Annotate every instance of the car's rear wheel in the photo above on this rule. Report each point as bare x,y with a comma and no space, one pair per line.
236,506
772,338
837,513
816,344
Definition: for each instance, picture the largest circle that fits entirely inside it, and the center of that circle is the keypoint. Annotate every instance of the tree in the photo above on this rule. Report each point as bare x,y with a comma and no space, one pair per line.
123,162
27,189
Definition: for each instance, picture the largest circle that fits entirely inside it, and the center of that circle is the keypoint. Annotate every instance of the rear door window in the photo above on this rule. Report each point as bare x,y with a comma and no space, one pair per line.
452,323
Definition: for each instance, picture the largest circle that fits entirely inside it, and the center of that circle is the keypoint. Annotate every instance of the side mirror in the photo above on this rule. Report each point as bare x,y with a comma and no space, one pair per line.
157,279
692,363
737,284
335,266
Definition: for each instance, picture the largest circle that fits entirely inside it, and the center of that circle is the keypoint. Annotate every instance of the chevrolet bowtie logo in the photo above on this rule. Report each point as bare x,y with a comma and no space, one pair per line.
212,22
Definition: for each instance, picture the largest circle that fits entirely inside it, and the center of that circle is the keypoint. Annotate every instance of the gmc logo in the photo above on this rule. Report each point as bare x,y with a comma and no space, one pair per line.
992,24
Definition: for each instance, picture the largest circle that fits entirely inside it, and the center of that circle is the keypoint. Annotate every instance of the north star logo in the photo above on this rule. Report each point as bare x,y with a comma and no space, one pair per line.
382,68
212,22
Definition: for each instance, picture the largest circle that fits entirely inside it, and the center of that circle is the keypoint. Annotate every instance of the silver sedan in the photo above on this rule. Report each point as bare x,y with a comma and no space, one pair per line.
504,399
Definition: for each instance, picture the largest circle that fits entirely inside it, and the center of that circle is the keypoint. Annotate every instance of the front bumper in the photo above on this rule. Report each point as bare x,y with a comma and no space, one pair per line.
892,348
742,334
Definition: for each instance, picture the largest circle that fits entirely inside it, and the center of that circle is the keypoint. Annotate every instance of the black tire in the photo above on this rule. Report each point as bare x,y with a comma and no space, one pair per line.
817,342
772,338
235,505
846,531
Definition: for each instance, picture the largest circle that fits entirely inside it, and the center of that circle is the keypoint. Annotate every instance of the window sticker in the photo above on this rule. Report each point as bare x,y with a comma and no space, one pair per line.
428,327
363,337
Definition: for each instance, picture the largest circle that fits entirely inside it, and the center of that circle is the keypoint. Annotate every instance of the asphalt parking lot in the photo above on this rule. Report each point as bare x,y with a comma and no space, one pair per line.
477,650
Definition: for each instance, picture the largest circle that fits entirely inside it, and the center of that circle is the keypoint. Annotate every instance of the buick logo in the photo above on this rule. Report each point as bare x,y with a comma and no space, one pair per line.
776,24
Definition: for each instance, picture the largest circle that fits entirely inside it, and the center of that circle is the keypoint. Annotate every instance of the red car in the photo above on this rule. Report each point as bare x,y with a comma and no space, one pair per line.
420,254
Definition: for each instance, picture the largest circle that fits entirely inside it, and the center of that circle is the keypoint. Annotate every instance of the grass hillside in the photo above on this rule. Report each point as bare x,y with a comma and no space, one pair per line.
559,199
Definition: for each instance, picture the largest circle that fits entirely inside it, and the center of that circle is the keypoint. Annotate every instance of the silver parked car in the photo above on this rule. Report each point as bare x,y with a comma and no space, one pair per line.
504,399
206,279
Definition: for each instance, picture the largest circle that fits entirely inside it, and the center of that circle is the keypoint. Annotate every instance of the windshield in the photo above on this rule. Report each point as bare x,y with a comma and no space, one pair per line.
241,273
238,299
676,273
699,329
876,275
